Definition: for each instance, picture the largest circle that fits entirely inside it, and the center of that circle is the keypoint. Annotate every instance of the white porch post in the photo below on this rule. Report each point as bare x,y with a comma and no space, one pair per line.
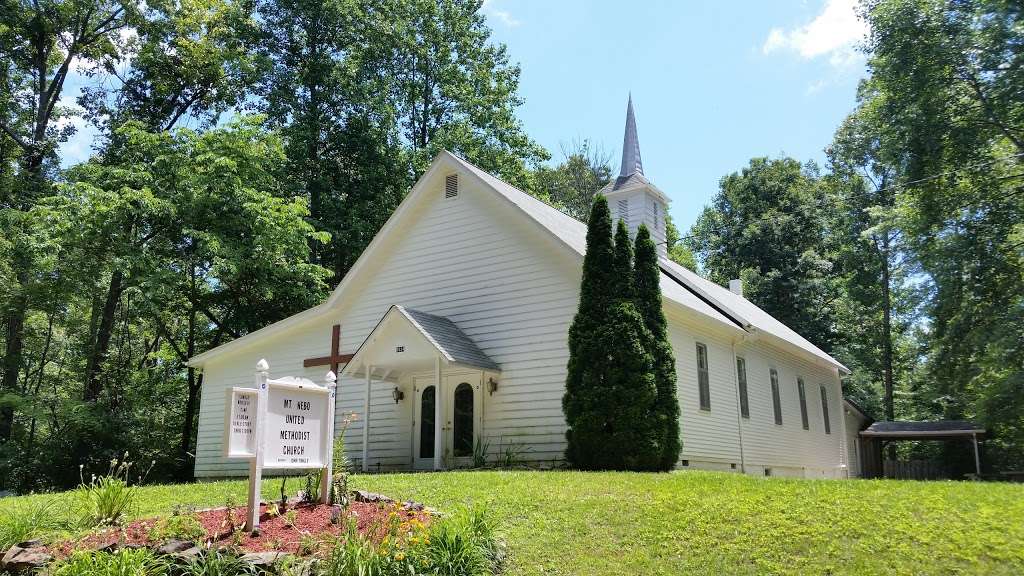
438,417
366,420
331,383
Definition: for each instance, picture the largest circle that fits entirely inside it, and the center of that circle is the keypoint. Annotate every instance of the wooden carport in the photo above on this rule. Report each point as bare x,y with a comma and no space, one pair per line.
875,437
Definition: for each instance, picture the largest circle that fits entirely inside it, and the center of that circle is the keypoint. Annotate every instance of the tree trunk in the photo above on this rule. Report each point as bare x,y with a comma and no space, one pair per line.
93,383
12,352
887,360
195,384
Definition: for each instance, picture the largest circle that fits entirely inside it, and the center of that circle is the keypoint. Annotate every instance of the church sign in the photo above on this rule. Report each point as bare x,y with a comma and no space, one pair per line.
283,424
240,428
295,435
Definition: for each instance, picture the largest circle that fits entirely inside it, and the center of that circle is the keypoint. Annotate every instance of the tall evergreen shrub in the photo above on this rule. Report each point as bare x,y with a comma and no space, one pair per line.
610,387
647,290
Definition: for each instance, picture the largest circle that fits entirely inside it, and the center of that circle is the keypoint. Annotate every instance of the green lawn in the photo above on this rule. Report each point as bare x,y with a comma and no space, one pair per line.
702,522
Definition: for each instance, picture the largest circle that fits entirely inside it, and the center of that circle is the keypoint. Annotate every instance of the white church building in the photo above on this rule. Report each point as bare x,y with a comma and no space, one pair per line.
449,334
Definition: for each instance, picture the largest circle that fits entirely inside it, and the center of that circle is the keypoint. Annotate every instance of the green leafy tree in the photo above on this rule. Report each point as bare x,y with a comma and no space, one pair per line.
678,251
211,248
39,43
879,310
454,88
945,86
768,225
647,283
187,61
181,61
367,92
572,185
610,386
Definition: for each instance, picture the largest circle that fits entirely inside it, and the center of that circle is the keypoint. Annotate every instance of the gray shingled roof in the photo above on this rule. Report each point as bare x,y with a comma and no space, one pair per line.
626,182
449,339
936,426
937,429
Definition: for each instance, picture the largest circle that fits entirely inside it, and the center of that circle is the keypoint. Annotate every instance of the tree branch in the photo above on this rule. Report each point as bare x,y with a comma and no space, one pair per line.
17,139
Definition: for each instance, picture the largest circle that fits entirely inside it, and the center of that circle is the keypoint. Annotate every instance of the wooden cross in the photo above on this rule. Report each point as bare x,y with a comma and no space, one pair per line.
336,356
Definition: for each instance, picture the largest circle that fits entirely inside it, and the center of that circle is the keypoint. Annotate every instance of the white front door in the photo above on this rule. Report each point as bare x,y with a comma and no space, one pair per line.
424,443
463,418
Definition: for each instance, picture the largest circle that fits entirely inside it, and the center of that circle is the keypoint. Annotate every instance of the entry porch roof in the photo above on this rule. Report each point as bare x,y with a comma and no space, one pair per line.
405,339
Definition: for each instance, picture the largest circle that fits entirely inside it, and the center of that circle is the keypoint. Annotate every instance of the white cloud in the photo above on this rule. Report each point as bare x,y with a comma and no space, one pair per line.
504,16
835,33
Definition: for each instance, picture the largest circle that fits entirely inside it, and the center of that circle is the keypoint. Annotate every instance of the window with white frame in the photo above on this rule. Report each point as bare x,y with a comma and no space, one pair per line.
824,410
776,401
703,385
803,403
741,381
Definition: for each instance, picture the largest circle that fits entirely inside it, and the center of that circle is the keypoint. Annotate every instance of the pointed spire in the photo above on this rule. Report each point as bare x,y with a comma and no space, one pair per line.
631,162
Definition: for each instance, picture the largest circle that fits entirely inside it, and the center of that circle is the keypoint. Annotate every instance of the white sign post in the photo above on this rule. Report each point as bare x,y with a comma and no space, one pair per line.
285,424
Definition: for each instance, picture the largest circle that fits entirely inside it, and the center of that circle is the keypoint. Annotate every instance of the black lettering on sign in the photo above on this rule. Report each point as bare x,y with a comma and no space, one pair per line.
302,405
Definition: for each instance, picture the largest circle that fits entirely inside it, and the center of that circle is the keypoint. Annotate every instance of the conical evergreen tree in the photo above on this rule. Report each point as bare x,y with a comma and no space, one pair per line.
610,387
623,263
595,299
646,282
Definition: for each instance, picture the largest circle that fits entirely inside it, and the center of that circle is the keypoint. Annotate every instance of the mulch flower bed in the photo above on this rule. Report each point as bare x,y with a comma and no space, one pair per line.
291,530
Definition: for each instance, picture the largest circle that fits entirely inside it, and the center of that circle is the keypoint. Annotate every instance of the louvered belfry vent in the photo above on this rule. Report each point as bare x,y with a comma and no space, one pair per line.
624,211
451,186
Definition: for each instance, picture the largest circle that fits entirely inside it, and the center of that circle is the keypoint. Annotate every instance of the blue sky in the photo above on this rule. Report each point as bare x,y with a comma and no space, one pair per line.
714,83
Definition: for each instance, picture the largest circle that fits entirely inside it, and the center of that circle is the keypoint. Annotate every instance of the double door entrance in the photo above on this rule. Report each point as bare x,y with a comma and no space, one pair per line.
446,422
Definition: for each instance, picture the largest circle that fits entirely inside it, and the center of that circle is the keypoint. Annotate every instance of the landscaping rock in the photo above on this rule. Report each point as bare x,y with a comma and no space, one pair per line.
263,559
174,546
186,555
412,506
372,497
106,547
25,557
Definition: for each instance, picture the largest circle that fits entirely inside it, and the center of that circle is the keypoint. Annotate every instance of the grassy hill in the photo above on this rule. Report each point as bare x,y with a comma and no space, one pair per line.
700,522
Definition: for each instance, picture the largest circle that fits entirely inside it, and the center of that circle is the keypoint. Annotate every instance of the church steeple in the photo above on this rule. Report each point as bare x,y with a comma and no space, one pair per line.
631,196
631,162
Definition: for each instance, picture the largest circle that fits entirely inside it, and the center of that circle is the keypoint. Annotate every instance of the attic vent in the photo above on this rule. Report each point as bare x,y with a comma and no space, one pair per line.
653,207
451,186
399,349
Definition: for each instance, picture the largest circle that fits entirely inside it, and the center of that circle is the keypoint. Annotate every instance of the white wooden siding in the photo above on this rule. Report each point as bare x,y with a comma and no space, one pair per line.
709,436
639,204
854,423
789,446
472,259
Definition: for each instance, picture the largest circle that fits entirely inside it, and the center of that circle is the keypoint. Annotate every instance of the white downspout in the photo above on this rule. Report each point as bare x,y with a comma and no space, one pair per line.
366,420
438,417
843,448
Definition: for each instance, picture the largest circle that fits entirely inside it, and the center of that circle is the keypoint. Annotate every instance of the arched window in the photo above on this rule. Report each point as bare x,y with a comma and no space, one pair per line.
427,402
463,420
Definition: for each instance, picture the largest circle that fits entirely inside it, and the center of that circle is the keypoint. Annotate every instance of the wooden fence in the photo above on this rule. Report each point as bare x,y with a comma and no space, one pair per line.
914,470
